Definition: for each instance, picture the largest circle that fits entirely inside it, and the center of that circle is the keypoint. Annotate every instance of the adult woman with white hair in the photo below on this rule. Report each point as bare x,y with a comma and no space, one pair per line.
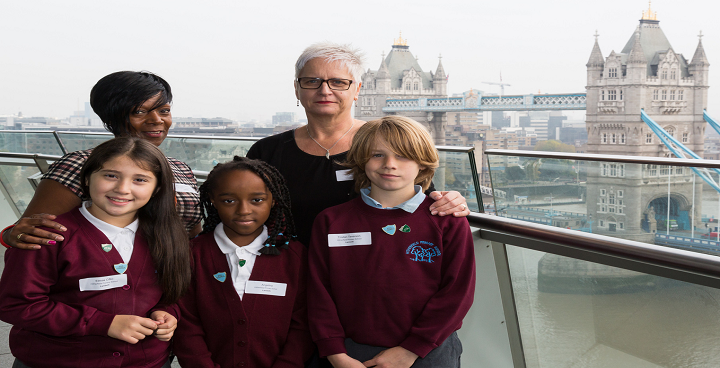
327,82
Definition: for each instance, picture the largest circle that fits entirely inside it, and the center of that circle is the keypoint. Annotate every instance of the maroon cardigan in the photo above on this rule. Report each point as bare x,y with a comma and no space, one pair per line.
220,330
57,325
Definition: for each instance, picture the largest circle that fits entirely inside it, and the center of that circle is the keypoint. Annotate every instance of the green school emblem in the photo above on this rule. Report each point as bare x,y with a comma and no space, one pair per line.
405,229
242,262
106,247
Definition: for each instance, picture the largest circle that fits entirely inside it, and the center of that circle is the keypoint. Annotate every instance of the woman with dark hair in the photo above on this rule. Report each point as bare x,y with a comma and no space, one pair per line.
129,104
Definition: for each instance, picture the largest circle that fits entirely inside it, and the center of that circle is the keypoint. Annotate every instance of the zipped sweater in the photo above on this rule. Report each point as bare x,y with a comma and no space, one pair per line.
388,277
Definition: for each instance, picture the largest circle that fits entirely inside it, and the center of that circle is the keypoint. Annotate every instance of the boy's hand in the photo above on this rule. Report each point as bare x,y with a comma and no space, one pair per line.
449,203
131,329
166,325
397,357
344,361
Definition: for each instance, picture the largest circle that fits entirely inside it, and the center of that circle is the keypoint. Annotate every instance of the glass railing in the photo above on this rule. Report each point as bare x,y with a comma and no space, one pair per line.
19,141
16,180
663,201
585,300
457,169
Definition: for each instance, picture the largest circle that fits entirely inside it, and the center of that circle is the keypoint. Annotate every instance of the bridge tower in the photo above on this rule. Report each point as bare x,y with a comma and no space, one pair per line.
400,76
647,74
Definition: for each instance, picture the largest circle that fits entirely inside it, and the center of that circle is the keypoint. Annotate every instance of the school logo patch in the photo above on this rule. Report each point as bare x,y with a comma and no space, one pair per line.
423,251
220,276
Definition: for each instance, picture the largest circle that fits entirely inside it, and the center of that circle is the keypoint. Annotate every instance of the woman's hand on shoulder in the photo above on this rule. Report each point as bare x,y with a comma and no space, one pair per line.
27,235
166,325
449,203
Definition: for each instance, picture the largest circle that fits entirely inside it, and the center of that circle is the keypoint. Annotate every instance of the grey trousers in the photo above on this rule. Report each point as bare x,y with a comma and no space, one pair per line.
447,355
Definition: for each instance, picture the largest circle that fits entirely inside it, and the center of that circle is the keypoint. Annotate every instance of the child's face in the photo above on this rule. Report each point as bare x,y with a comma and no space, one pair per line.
243,203
391,173
119,189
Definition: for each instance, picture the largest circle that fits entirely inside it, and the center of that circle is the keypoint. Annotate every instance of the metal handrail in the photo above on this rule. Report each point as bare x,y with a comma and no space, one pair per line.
647,258
607,158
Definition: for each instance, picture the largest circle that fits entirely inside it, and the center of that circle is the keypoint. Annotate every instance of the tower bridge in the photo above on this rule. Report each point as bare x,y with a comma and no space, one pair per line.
474,101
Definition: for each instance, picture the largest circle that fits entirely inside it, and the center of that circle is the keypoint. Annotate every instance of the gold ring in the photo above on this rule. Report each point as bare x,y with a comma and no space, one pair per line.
19,235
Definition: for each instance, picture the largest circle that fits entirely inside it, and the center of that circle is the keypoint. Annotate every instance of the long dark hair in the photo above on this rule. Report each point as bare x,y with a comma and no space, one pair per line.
117,95
281,228
159,222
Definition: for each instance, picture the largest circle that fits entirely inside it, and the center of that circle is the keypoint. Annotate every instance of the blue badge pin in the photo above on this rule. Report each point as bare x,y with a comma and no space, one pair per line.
121,268
390,229
106,247
220,276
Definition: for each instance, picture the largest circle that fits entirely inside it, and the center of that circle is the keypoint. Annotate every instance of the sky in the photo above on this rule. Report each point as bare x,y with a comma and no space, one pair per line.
235,59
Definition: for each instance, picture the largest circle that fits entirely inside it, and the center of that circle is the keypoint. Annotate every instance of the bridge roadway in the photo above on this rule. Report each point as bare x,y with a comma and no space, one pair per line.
474,101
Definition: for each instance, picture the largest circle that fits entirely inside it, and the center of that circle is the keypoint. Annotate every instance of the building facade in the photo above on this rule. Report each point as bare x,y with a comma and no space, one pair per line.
648,74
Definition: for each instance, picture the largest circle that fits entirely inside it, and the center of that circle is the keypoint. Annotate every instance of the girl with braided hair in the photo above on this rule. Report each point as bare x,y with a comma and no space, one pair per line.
248,267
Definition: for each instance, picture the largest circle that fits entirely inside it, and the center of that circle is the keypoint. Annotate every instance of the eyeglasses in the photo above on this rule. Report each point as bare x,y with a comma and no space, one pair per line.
334,83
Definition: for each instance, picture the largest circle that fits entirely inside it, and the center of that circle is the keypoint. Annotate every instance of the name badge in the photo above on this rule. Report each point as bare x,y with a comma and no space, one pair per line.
349,239
265,288
344,175
103,283
184,188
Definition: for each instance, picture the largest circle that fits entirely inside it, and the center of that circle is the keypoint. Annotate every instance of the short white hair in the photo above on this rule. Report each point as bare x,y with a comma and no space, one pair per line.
346,54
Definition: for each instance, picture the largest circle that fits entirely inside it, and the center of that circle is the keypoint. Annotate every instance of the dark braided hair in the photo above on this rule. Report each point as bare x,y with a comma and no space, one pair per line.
281,228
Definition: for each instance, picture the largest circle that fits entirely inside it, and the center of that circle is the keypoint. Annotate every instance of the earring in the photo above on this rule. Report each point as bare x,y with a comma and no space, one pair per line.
298,103
355,102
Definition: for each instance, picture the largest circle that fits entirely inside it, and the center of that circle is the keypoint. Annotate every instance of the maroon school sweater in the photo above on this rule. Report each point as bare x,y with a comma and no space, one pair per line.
220,330
409,289
57,325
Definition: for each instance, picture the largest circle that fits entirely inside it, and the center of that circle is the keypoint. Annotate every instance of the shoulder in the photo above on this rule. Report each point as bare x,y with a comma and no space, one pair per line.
265,147
201,242
443,222
179,167
296,250
344,208
73,220
70,162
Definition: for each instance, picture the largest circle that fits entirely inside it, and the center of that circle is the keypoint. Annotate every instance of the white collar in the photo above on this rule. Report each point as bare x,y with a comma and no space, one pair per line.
109,230
227,246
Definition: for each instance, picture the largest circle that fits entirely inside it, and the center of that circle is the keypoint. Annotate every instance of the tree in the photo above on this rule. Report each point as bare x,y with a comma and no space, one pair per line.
514,173
554,146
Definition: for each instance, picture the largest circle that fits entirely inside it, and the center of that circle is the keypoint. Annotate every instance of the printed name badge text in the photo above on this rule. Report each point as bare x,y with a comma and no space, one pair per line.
265,288
103,283
349,239
343,175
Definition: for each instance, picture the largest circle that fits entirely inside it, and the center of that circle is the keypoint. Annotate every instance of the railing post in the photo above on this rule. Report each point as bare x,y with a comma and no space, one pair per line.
508,302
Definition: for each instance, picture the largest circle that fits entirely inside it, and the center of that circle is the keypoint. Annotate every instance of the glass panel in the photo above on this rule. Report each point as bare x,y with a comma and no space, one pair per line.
14,179
575,313
78,141
29,142
658,204
455,173
204,153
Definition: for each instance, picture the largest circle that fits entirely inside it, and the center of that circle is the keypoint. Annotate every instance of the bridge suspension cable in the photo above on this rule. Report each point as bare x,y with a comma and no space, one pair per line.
679,149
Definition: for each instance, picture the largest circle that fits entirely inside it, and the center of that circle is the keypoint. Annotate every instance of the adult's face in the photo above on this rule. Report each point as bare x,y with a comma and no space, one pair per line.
151,124
325,101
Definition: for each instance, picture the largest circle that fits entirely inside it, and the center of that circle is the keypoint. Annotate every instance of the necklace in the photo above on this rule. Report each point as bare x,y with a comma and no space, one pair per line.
327,150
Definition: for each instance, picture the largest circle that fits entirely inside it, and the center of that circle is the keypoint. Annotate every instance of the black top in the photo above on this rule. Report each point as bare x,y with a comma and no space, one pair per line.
312,180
